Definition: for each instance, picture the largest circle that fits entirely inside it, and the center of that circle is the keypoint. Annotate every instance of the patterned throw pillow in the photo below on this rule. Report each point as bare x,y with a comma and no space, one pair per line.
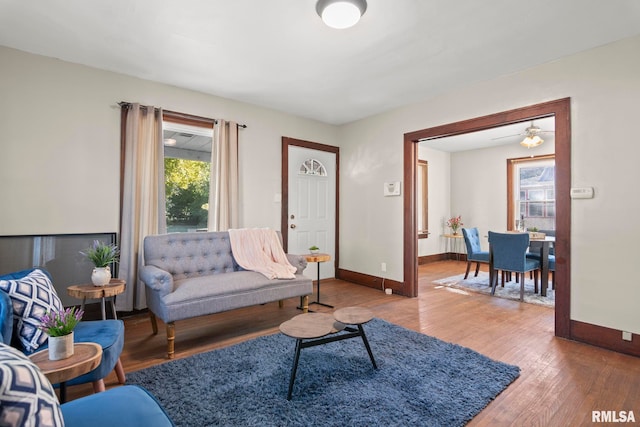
27,398
31,296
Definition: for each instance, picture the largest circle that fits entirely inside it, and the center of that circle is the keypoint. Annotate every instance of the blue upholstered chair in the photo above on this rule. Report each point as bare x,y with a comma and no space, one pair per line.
474,250
34,402
108,333
509,254
534,252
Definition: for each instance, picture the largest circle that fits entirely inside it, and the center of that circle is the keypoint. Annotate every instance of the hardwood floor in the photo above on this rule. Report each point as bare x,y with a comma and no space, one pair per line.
561,381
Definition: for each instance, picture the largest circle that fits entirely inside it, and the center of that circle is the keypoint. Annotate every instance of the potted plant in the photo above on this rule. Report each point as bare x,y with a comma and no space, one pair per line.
101,255
455,223
314,249
59,326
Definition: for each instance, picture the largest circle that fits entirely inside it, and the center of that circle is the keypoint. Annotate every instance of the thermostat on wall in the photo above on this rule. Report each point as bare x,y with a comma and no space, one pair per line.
582,193
392,188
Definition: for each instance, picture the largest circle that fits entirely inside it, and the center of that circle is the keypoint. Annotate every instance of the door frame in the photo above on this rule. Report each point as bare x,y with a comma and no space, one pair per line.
561,109
284,218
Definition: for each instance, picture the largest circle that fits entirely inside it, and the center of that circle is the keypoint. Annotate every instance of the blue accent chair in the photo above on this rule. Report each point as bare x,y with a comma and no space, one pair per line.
108,333
534,252
126,406
509,254
28,399
474,250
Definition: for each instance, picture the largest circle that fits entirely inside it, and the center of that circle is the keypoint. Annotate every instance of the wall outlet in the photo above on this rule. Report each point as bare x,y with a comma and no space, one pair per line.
626,336
383,266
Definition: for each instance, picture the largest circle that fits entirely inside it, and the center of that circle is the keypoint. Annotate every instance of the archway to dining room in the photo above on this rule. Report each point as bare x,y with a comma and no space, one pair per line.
560,111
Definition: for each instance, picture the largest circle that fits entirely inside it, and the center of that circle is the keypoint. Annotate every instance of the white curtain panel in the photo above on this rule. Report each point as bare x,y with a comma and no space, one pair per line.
223,191
143,197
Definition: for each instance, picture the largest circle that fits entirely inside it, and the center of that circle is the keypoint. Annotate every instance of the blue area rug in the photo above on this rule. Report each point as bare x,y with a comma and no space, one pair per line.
420,380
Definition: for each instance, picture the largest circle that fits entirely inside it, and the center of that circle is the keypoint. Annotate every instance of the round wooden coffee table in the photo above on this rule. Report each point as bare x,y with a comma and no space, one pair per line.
315,328
86,357
84,292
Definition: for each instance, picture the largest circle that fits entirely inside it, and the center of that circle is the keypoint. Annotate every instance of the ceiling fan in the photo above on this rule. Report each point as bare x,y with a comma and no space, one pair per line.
532,136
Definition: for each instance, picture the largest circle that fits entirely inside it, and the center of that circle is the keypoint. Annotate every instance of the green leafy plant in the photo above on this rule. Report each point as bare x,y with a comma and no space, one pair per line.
314,248
534,229
102,254
61,322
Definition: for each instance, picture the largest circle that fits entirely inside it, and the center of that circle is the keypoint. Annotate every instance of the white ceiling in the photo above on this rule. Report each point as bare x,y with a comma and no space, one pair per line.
278,53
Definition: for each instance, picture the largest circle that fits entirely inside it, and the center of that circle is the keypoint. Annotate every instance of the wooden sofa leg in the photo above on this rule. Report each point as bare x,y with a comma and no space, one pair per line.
154,323
120,372
171,339
98,386
281,303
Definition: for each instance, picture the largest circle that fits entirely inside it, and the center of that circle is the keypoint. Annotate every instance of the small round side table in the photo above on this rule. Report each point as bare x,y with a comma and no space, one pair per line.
86,357
318,258
115,287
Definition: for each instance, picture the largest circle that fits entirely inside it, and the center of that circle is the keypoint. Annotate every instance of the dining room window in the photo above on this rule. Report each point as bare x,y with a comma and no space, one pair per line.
531,192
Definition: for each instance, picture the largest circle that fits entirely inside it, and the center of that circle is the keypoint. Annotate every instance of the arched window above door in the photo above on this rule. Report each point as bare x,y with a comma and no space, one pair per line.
312,167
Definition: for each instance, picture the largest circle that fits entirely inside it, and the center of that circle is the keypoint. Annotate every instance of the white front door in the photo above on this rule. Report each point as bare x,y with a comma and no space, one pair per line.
312,205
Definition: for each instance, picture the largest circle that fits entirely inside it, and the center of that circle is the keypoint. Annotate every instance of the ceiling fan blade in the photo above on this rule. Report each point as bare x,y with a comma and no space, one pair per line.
508,136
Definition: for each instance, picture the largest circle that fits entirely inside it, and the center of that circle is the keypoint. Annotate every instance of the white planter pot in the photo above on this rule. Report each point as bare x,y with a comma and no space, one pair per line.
100,276
61,347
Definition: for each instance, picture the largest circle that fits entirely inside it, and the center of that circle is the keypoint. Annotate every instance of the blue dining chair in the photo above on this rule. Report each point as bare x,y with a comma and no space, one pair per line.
474,250
509,254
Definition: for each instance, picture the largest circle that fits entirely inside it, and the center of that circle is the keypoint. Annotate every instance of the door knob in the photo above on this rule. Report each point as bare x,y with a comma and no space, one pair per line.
293,226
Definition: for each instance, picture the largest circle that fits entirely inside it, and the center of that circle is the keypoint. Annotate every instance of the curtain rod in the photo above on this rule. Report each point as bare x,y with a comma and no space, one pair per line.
183,115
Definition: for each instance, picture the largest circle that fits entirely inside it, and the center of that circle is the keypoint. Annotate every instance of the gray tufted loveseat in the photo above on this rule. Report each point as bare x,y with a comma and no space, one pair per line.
194,274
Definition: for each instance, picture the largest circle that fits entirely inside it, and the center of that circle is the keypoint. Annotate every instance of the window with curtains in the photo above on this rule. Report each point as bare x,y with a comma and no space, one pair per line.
187,162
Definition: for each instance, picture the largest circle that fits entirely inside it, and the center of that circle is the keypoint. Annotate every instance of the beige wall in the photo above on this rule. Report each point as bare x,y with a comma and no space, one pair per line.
604,86
60,159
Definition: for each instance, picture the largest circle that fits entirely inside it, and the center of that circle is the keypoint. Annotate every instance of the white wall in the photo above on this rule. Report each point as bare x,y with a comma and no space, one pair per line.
604,86
60,157
439,196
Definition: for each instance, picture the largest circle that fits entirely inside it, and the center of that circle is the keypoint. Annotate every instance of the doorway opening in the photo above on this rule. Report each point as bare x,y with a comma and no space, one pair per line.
560,110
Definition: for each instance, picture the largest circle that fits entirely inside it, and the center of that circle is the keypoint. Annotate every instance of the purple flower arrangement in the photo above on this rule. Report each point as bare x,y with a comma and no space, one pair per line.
61,322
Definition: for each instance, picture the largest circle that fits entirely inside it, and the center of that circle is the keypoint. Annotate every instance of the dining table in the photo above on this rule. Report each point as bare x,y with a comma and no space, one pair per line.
545,244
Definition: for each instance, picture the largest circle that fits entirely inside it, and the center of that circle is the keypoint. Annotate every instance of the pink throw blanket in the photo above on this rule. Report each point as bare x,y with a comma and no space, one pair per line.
259,249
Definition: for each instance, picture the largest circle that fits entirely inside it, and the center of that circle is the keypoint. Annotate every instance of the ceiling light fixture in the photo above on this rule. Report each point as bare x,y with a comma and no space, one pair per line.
170,141
531,141
341,14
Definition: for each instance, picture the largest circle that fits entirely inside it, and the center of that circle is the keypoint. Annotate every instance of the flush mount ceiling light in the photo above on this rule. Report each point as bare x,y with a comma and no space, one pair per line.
341,13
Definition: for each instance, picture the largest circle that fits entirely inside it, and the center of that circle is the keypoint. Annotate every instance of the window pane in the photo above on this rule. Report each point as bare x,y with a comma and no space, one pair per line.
536,195
536,209
551,209
187,163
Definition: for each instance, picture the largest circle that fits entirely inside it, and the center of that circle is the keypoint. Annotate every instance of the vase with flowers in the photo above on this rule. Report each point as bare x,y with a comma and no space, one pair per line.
59,326
455,223
101,255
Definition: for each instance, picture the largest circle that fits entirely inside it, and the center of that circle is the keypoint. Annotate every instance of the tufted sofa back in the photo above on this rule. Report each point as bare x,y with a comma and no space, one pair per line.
186,255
